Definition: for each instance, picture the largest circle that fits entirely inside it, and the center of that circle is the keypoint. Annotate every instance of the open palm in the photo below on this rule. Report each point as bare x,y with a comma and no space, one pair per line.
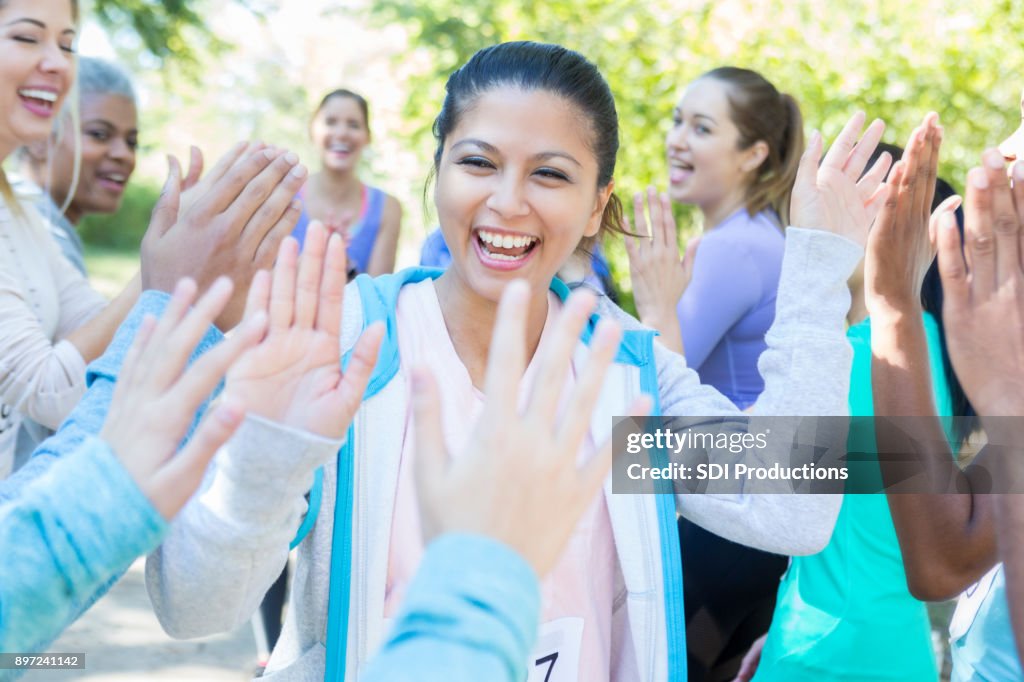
834,196
294,375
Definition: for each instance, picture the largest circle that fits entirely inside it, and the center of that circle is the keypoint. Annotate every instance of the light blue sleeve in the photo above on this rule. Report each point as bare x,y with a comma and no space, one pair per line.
470,614
88,416
70,530
87,419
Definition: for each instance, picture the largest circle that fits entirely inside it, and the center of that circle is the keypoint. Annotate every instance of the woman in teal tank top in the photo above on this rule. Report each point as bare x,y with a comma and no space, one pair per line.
846,613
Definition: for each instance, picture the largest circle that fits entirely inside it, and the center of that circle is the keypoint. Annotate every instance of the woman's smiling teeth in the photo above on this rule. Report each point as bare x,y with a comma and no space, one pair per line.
503,246
39,102
44,95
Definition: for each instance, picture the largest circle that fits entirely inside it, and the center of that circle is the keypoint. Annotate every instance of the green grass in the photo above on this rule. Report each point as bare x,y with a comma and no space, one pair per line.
110,269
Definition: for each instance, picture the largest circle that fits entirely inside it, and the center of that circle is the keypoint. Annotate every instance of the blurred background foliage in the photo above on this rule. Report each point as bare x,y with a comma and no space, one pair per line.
218,70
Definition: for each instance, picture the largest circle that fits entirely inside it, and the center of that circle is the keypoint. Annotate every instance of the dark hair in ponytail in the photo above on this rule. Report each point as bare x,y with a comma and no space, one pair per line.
761,113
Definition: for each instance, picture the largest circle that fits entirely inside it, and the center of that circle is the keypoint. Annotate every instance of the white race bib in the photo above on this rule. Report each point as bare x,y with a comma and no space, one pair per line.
969,603
556,656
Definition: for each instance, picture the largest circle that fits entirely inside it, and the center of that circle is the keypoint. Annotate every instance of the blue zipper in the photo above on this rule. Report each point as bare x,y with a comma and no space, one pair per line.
668,535
340,580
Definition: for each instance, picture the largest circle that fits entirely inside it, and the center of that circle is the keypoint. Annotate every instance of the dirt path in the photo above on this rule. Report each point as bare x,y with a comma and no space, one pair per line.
123,641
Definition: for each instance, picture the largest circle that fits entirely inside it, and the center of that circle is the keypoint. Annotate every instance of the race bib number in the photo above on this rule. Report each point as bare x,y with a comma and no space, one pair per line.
556,656
969,603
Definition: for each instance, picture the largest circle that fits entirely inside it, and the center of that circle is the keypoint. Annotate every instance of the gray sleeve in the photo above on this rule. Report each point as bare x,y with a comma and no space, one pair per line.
806,369
230,542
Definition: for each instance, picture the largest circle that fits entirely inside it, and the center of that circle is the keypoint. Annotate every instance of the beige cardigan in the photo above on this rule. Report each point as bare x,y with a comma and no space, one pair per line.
42,299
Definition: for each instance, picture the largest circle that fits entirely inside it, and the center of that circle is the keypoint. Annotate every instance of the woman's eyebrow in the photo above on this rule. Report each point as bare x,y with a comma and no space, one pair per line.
543,156
35,22
491,149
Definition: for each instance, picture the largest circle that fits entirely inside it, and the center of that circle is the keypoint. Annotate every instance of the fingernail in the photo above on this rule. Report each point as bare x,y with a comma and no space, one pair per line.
291,157
1018,170
269,154
993,159
978,178
299,171
947,220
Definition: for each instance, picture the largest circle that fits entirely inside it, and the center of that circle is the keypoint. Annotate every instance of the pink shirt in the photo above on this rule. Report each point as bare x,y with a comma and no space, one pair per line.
581,587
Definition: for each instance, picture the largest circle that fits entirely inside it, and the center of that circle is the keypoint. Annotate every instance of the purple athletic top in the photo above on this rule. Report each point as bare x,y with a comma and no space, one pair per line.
363,234
730,303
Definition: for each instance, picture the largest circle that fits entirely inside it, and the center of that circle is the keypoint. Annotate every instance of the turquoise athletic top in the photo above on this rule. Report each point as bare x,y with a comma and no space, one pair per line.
846,613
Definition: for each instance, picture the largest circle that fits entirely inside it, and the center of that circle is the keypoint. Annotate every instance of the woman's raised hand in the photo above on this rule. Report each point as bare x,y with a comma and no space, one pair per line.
899,249
983,285
658,275
294,375
230,222
518,479
156,397
833,196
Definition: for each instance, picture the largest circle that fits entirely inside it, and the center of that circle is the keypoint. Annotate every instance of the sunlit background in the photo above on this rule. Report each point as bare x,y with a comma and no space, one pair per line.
215,71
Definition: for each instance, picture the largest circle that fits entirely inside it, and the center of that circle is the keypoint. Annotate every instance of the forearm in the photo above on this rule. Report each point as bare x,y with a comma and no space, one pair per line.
947,538
88,415
92,338
64,538
806,366
795,525
470,614
244,515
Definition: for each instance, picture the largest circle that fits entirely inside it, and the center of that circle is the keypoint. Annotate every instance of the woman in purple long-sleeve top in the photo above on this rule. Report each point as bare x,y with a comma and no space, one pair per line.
733,151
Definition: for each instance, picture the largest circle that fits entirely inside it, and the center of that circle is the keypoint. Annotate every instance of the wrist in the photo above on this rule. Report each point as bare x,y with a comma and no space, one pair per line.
657,317
899,315
898,337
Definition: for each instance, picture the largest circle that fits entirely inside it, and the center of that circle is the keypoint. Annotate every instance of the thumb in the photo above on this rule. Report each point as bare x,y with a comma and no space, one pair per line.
173,484
690,256
431,453
165,212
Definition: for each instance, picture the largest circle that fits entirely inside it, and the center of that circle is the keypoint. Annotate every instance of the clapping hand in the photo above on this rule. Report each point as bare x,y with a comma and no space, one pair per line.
658,275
